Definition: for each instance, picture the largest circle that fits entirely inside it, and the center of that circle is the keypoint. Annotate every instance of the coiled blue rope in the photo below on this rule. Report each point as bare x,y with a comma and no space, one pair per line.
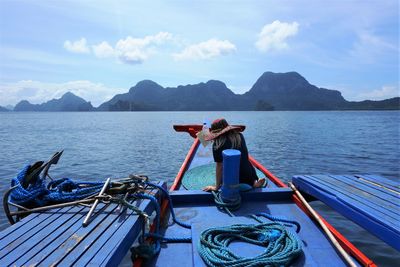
60,190
281,246
227,206
278,219
20,195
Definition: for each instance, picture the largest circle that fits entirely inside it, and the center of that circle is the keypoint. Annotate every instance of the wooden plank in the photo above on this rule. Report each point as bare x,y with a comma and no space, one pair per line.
58,237
380,193
15,227
369,186
378,199
375,197
62,246
110,251
114,249
14,240
44,237
259,194
352,198
112,236
381,180
350,195
105,229
373,222
23,226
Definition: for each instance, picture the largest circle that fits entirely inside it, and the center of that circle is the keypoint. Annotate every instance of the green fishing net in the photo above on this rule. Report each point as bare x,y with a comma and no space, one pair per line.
201,176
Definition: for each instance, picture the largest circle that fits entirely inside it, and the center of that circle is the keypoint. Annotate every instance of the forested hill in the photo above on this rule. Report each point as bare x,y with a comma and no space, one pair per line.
272,91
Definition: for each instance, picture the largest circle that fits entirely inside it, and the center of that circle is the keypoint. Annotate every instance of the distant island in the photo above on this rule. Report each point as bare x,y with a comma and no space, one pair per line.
68,102
3,109
272,91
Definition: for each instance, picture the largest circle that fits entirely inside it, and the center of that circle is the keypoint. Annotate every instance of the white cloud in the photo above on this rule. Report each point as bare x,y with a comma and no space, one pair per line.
136,50
129,50
206,50
38,92
273,36
78,46
103,50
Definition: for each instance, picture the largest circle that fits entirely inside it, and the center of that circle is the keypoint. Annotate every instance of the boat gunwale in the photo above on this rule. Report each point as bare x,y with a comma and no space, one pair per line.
344,242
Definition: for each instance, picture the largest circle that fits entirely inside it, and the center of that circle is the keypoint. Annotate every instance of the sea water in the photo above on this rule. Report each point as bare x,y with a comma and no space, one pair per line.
98,145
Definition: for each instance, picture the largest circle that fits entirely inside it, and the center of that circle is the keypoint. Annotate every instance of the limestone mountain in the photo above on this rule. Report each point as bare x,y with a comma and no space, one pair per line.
148,95
68,102
272,91
3,109
291,91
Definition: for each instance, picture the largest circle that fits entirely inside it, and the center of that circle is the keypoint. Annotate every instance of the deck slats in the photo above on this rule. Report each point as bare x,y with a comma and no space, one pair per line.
358,199
33,249
11,242
16,227
375,191
82,234
112,249
57,237
383,181
371,201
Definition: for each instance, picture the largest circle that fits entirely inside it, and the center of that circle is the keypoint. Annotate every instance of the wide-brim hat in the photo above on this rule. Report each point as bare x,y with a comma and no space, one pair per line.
219,127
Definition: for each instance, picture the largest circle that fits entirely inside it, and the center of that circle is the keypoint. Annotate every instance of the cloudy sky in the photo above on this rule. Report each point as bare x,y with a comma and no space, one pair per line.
99,48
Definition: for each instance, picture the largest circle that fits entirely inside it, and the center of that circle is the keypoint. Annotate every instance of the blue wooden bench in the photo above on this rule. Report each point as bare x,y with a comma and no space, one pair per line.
57,237
371,201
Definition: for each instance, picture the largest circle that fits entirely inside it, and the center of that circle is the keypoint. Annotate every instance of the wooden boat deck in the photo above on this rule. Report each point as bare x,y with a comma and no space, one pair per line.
57,237
198,208
371,201
318,251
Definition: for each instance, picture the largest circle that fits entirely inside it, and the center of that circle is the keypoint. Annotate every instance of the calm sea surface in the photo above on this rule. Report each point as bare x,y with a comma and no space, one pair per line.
99,145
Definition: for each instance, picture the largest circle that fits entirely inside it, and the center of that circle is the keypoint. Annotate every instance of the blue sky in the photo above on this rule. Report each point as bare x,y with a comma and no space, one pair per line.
99,48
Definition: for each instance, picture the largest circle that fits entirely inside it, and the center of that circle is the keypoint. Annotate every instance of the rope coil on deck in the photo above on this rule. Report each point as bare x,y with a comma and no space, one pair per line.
56,191
281,246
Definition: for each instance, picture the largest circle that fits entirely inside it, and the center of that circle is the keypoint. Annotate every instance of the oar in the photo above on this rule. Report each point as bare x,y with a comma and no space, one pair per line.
342,252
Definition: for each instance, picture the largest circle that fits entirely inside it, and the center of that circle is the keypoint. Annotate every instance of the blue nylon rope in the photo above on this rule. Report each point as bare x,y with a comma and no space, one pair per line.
281,246
171,207
60,190
225,205
278,219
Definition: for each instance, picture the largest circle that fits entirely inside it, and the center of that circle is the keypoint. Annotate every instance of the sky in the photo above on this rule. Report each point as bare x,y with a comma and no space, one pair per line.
97,49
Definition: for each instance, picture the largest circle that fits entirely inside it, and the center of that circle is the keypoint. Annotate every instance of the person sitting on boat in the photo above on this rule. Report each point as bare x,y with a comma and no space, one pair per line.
226,136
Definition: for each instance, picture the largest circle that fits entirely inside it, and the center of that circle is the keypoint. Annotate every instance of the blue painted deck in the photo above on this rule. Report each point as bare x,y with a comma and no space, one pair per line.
57,237
198,208
371,201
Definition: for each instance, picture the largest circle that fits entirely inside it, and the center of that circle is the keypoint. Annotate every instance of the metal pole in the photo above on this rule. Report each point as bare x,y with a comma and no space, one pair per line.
51,207
96,202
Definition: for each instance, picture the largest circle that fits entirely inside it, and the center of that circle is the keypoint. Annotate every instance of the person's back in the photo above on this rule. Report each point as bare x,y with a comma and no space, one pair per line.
247,173
226,136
